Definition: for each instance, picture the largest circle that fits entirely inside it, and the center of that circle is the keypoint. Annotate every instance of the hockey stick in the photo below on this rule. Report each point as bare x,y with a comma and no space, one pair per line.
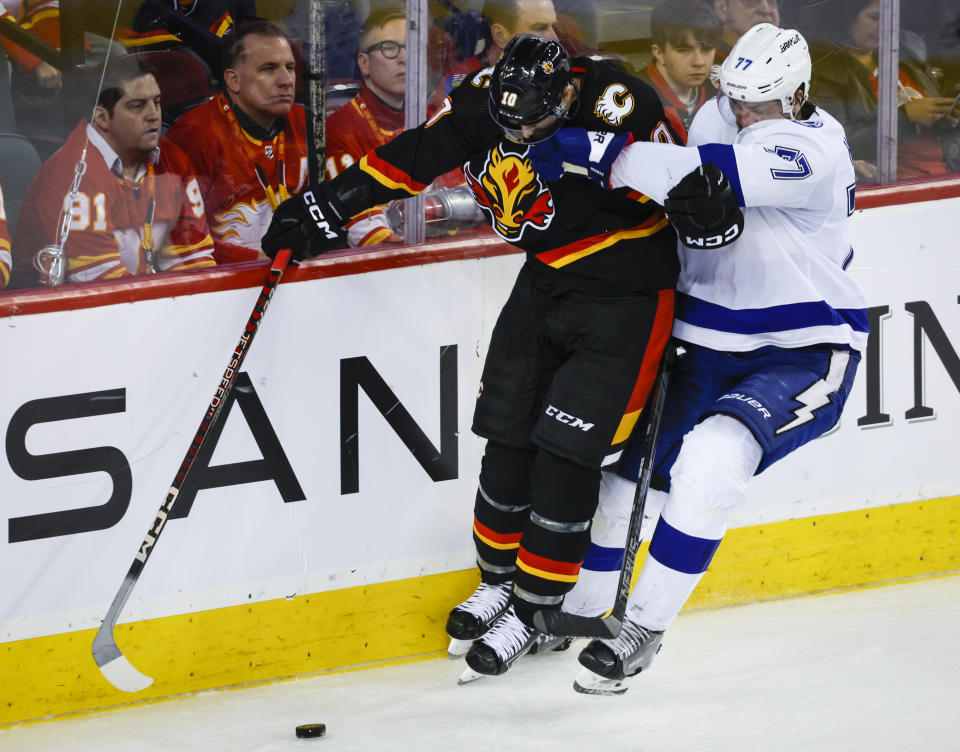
114,665
564,624
316,94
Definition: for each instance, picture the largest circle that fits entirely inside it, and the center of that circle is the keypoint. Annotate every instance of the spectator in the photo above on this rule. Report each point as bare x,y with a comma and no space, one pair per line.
683,40
38,99
247,144
195,25
42,19
375,115
6,262
507,19
342,23
133,213
737,16
845,83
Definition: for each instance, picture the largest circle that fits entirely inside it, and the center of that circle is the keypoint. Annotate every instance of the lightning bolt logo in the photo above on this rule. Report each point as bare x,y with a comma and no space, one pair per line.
817,395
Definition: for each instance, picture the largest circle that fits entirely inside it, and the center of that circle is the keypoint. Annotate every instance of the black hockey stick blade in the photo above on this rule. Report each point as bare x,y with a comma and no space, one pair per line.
112,663
555,622
563,624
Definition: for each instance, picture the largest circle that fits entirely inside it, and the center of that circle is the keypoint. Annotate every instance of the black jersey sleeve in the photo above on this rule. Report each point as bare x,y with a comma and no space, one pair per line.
408,163
613,100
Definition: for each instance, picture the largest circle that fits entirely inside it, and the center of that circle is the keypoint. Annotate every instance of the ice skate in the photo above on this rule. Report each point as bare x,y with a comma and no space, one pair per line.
471,619
495,652
608,664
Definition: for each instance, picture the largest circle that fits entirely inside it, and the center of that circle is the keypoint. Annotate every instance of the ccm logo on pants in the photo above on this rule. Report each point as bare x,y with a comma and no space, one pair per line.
568,419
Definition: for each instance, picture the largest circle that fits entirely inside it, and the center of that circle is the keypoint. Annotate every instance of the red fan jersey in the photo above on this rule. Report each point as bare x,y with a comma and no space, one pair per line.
362,124
238,202
5,260
117,227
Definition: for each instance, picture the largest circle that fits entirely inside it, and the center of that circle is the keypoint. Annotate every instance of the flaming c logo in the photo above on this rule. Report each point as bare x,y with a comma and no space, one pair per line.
511,194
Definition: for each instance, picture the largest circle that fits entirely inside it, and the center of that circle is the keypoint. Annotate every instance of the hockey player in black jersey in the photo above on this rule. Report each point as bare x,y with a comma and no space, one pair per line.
577,345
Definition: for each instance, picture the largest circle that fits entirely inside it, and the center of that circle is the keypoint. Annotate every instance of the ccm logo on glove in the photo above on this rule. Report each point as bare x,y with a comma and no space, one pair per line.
322,224
713,241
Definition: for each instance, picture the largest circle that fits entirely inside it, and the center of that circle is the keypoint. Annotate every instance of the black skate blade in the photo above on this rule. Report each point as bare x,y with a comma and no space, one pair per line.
560,623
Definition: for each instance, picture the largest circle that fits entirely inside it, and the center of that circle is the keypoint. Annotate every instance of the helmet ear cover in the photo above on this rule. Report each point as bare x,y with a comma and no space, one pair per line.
767,64
527,88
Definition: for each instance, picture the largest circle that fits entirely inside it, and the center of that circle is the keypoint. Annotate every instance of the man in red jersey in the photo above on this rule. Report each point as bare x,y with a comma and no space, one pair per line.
137,208
374,116
247,144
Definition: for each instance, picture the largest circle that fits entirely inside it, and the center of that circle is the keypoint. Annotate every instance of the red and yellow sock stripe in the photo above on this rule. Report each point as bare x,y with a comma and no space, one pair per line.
500,541
548,569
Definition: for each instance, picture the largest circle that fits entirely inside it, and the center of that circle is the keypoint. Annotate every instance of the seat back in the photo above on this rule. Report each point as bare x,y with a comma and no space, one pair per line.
19,164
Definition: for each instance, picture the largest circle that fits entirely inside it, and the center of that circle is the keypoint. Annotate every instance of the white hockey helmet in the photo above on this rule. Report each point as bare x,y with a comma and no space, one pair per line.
765,64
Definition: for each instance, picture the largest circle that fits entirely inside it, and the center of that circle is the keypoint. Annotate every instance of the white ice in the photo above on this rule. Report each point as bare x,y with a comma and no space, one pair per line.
875,670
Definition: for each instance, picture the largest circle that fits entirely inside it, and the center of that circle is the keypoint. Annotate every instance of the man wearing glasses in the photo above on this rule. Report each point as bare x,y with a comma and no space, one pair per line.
375,115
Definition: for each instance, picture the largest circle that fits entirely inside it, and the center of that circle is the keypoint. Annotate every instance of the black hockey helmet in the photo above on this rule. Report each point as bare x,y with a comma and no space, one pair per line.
526,92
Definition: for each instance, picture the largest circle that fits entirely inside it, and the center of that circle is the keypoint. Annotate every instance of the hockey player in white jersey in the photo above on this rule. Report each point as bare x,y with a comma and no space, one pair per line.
769,325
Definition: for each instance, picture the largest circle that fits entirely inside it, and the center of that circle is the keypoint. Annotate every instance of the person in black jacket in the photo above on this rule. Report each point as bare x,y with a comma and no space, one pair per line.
845,83
577,345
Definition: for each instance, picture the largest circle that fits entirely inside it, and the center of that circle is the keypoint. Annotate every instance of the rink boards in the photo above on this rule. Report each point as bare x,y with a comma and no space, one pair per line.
329,527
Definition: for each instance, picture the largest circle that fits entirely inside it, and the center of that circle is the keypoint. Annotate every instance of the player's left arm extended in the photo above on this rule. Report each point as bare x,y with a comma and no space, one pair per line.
759,175
314,222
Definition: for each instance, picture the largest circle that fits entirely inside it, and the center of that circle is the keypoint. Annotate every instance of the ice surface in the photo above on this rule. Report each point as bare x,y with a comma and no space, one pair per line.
873,670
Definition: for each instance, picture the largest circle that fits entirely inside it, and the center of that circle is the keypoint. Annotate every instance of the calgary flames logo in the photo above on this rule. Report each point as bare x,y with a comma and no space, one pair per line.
511,193
614,104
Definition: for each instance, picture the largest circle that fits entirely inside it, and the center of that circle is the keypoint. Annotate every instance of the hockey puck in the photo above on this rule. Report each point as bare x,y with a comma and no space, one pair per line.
311,730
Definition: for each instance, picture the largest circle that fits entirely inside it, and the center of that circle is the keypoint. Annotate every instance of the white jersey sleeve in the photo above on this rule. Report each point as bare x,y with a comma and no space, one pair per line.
775,169
783,282
653,169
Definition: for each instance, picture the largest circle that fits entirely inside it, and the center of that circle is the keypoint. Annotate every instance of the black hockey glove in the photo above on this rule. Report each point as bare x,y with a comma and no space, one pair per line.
308,224
703,209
